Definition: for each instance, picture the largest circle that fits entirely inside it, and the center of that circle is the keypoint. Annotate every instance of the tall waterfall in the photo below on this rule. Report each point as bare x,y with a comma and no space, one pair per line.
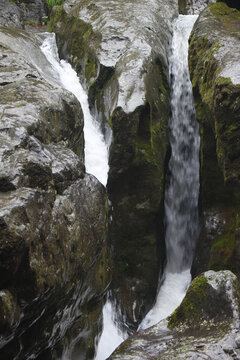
96,152
182,189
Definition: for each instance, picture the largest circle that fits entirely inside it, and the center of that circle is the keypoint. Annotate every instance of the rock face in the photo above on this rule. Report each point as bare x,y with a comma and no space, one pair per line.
53,216
192,7
204,326
214,69
10,14
125,68
17,14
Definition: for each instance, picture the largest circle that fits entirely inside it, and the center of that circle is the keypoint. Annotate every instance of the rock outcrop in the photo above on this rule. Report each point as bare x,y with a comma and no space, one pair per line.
214,69
21,13
54,256
204,326
125,68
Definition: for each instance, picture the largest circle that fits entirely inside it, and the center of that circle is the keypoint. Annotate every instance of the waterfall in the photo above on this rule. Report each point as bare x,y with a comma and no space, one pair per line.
112,336
182,188
96,151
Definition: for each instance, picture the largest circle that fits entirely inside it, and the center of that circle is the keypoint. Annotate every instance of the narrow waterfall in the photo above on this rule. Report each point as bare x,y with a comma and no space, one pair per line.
182,189
112,336
96,151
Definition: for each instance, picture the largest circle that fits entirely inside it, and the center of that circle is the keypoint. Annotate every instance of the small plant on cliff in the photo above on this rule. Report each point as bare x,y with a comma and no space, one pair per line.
52,3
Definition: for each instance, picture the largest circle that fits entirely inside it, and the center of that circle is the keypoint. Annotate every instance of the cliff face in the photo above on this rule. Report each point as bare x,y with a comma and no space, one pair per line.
53,216
125,68
214,68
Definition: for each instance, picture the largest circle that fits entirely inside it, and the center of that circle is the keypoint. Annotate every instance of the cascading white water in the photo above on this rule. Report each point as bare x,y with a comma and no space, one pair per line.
112,336
96,151
181,195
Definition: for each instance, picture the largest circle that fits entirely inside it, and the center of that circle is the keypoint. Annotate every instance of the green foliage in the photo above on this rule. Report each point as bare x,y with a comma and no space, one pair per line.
52,3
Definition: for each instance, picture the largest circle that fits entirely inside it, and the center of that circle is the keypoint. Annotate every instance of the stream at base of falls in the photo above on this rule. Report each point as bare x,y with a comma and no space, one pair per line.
182,188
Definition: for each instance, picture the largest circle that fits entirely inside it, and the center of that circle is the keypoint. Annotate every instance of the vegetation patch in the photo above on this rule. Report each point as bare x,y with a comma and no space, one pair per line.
190,311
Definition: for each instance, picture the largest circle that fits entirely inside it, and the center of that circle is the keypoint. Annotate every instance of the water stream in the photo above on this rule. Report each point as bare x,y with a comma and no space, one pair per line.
96,150
182,188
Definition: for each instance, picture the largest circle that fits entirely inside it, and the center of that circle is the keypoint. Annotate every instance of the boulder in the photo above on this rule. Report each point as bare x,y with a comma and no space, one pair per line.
54,254
10,15
214,70
204,326
123,64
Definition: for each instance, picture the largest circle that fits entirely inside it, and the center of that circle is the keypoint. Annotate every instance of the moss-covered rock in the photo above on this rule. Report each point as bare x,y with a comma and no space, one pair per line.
199,307
231,3
214,69
205,325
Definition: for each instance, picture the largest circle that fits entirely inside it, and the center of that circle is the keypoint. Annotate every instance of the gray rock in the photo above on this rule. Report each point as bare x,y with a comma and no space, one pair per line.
237,340
10,15
206,338
54,253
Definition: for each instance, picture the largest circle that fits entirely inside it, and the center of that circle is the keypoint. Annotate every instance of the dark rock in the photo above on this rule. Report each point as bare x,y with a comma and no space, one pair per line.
10,15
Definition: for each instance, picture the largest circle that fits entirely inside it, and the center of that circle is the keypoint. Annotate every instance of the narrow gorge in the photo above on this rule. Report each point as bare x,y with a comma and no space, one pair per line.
119,179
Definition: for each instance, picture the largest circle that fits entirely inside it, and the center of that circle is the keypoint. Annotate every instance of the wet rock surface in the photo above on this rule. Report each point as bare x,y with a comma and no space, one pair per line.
10,14
200,329
120,50
53,216
214,69
18,14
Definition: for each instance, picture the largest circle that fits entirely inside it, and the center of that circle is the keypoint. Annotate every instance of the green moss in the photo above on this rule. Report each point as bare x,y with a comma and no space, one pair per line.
189,311
182,8
52,3
74,36
221,9
222,251
90,67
